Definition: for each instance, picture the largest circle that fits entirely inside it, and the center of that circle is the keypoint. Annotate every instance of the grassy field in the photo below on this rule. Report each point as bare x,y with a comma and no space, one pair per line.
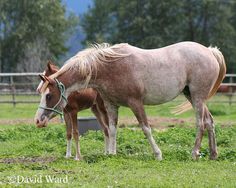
221,111
37,155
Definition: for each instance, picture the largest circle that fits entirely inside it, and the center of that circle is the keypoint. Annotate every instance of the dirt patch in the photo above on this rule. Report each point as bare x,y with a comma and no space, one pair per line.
159,122
25,121
27,160
155,122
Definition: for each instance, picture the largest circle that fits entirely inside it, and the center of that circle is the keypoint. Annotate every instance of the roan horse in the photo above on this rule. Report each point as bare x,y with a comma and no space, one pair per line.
129,76
77,101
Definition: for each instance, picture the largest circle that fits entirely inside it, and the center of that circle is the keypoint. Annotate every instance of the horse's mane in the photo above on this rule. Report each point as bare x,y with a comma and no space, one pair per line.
87,61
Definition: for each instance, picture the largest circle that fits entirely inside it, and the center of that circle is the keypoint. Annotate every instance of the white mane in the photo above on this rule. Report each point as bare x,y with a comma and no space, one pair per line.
87,61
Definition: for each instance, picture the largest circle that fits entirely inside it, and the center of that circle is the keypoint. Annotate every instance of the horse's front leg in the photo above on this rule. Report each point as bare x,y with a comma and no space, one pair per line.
68,133
138,109
76,135
101,116
112,112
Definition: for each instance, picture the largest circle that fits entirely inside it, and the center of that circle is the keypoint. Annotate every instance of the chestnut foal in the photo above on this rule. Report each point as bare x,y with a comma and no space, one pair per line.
78,101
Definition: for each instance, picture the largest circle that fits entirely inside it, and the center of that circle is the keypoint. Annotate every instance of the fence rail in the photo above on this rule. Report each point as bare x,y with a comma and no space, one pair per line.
21,88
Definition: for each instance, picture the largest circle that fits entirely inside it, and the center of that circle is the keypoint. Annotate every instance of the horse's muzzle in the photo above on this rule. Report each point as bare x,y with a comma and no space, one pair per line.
41,122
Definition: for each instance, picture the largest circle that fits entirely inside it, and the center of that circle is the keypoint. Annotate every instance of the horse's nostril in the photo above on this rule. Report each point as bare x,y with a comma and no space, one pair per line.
43,117
37,121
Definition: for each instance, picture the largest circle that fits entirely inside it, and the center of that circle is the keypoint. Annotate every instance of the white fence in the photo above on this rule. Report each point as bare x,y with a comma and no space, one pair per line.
21,88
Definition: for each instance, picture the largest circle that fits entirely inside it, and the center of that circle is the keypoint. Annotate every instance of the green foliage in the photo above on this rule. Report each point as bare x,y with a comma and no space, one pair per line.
27,25
176,143
28,151
157,23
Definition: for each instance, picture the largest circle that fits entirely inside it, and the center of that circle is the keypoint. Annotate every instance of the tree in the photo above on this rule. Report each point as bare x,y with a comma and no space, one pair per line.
40,24
98,21
157,23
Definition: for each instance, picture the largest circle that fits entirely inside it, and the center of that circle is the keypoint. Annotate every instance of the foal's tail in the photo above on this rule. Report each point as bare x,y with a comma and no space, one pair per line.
220,59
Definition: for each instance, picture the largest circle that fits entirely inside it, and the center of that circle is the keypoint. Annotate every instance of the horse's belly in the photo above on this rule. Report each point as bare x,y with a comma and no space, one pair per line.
162,92
151,99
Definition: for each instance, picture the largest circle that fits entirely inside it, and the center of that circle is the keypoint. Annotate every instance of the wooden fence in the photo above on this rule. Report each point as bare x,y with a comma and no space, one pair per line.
21,88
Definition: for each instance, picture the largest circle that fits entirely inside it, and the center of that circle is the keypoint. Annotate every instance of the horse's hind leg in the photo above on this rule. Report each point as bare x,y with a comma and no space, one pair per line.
209,124
204,120
138,109
199,108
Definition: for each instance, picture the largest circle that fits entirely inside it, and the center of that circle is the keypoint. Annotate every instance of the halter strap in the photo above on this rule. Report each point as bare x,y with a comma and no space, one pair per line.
62,89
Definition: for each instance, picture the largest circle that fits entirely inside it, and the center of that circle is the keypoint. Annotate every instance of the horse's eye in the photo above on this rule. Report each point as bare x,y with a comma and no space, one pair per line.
48,97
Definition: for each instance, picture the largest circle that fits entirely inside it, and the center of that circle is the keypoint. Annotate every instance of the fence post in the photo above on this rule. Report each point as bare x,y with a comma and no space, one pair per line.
13,90
230,90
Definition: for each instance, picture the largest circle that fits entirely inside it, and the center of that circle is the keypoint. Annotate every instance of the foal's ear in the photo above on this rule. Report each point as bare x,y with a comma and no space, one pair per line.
42,77
45,78
50,80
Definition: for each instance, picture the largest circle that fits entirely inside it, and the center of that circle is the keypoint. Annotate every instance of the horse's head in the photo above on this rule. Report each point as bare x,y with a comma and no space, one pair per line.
52,100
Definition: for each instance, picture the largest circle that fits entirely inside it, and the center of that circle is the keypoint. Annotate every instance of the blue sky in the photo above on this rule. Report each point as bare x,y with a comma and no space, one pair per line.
77,6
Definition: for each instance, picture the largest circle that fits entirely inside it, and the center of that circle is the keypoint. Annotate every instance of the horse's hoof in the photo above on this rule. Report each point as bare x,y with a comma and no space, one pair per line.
158,156
213,156
78,158
112,153
195,155
68,156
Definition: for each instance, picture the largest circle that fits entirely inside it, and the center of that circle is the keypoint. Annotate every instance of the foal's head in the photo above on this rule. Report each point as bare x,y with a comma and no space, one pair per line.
52,97
50,69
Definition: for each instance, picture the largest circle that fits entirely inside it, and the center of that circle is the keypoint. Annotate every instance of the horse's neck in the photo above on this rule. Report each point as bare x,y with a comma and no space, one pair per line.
72,81
69,81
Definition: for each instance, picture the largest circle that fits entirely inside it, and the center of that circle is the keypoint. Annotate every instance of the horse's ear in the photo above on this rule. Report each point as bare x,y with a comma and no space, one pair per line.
42,77
51,66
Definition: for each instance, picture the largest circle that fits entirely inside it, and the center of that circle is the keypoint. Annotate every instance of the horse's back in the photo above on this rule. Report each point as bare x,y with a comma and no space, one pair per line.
164,72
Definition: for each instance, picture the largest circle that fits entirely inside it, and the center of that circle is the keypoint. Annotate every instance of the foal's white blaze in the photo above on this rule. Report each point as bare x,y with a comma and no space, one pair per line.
38,117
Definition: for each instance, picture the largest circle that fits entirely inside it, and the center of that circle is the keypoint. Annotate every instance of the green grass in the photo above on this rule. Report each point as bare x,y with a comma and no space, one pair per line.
220,111
30,152
27,151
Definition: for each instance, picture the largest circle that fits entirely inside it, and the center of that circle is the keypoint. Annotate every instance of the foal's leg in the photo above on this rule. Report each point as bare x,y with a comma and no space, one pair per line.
209,124
68,134
138,109
76,135
98,113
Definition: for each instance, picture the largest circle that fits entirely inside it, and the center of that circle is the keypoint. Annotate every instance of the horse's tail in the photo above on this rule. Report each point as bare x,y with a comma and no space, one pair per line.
220,59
